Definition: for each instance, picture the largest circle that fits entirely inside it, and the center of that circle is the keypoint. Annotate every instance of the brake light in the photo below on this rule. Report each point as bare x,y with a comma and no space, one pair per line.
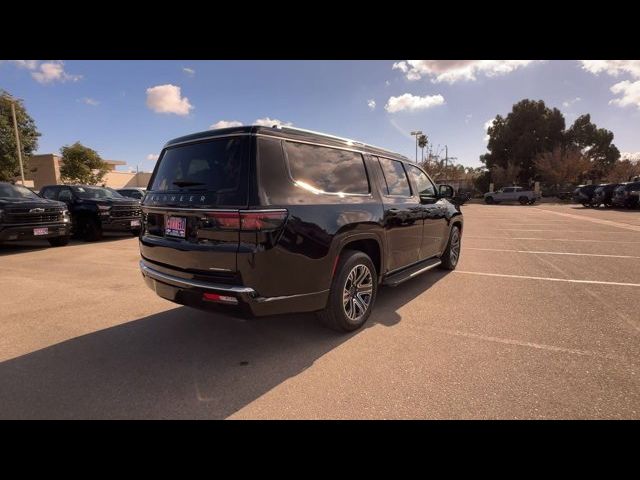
249,220
226,220
262,220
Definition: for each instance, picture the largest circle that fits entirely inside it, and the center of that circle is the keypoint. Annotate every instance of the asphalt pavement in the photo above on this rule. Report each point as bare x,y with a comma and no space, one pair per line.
541,319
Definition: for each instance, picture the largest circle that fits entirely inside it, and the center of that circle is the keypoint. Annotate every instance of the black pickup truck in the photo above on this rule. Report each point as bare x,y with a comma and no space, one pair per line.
95,210
26,216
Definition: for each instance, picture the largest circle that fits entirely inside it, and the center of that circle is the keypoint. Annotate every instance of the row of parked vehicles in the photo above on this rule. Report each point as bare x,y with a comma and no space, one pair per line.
57,212
622,195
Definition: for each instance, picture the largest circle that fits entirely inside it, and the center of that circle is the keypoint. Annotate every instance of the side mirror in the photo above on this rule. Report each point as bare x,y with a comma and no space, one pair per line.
446,191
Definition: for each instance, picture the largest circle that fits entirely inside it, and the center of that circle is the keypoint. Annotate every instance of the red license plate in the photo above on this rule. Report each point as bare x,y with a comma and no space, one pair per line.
41,231
176,227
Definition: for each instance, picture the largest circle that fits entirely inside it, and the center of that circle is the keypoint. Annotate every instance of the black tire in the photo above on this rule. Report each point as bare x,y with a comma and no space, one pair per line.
335,315
488,200
136,232
451,254
59,241
523,200
92,230
532,201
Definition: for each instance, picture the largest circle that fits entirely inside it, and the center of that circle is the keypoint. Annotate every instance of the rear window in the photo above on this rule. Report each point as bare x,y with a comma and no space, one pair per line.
216,166
633,186
327,169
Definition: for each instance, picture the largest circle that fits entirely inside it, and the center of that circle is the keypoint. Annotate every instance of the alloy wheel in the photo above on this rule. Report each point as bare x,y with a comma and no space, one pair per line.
357,292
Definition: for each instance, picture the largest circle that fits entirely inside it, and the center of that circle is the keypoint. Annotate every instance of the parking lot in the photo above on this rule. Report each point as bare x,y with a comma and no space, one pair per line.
541,319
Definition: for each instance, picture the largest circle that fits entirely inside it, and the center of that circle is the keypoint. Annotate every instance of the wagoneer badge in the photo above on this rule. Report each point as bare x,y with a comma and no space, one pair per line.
36,210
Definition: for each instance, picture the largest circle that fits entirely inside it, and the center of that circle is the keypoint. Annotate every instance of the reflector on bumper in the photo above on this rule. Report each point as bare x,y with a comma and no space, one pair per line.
215,297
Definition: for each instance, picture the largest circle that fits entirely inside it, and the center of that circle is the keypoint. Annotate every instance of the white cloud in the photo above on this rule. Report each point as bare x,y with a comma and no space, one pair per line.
90,101
387,83
371,104
451,71
488,124
412,102
402,66
49,72
612,67
225,124
467,117
28,64
168,99
152,157
189,71
630,94
270,122
568,103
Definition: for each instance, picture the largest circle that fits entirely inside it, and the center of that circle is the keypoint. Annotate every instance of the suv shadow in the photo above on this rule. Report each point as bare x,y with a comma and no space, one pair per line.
181,363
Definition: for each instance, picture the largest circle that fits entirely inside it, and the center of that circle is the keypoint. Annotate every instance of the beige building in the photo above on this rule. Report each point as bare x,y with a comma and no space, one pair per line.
45,170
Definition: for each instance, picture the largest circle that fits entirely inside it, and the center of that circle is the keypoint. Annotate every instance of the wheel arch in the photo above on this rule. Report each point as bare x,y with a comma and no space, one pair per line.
368,243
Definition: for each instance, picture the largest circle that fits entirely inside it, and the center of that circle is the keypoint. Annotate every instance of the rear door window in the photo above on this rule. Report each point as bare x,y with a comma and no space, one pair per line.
395,177
217,167
328,170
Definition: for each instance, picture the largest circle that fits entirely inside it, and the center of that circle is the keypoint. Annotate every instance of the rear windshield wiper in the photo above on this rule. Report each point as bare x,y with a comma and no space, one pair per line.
187,183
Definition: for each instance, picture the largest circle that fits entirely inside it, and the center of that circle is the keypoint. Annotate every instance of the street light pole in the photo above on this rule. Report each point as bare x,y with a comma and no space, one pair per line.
416,133
15,129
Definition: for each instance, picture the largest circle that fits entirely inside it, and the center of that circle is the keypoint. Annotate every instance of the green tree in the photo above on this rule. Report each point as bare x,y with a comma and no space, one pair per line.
516,141
9,166
505,176
81,164
563,166
596,144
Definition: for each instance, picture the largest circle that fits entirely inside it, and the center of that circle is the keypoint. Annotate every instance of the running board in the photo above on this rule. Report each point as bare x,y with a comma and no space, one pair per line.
397,278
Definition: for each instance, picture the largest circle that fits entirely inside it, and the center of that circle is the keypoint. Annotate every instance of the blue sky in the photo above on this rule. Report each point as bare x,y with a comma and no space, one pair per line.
126,110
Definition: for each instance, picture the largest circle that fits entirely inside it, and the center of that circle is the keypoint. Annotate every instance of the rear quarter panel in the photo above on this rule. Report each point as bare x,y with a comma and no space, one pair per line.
301,258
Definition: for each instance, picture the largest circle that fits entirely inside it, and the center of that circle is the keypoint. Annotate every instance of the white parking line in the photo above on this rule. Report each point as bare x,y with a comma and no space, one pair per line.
548,239
551,253
521,343
549,279
564,231
635,228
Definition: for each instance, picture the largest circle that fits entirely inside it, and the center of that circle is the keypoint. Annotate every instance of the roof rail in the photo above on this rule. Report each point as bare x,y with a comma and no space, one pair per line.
348,140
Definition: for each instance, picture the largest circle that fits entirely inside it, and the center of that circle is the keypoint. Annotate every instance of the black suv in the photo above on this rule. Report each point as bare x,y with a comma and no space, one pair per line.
625,195
274,220
584,194
96,209
602,195
26,216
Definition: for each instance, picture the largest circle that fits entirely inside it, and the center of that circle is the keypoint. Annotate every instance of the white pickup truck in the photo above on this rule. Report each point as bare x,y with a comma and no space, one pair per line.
512,194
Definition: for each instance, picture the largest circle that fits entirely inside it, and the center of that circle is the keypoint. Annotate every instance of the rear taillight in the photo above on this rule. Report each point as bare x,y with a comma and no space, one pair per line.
249,220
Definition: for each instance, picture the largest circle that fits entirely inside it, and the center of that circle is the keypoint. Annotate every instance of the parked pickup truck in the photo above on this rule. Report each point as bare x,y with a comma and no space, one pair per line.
512,194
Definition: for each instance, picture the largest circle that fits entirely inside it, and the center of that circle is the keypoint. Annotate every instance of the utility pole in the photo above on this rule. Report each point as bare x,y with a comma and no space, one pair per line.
446,157
416,133
15,129
422,142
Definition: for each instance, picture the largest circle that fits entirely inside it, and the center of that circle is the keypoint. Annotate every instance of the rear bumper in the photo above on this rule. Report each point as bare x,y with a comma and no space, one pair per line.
248,302
25,232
